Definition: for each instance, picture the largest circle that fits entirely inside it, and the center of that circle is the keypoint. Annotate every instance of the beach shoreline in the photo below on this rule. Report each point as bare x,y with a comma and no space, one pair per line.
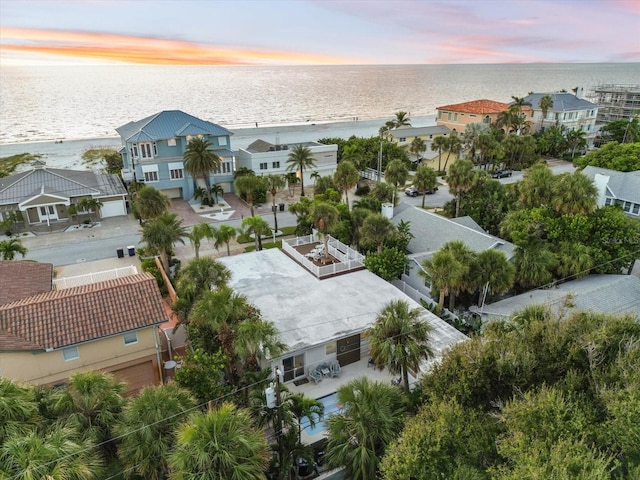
68,153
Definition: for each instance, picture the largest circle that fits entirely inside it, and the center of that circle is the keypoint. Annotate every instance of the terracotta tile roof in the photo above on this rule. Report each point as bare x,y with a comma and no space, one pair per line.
67,317
19,279
480,107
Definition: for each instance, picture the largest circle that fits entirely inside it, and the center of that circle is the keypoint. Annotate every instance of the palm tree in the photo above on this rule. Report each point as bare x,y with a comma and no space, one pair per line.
346,177
91,205
91,403
545,103
57,454
466,258
292,179
470,138
417,146
258,227
301,407
219,444
9,249
300,159
275,183
255,339
162,233
396,174
453,145
574,194
402,119
400,339
375,229
444,272
574,260
425,179
18,409
198,233
438,145
576,140
200,161
535,189
460,180
217,191
372,417
534,266
224,234
492,272
248,185
150,202
315,175
147,426
201,275
324,215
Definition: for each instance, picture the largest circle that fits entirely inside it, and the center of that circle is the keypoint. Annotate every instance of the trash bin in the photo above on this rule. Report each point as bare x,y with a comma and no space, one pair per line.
120,252
132,250
282,207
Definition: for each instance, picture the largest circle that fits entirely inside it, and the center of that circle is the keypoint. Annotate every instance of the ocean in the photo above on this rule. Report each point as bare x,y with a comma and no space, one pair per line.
45,103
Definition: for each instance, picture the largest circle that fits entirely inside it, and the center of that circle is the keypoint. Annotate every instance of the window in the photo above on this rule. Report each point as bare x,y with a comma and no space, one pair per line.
171,142
70,353
222,141
472,115
627,206
455,117
176,174
402,139
145,149
275,165
225,167
448,115
130,338
151,176
439,115
608,201
134,150
263,166
330,348
636,208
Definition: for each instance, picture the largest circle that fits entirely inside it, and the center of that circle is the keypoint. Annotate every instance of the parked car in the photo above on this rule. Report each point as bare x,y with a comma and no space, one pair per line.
501,174
414,191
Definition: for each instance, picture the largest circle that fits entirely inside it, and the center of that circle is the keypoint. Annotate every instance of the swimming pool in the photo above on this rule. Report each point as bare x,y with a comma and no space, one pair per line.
330,403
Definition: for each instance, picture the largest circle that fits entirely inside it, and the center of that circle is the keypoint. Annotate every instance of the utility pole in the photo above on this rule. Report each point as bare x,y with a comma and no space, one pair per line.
380,158
279,430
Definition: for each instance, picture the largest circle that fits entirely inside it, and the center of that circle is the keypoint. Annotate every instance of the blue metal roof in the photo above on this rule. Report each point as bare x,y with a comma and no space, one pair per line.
562,102
169,124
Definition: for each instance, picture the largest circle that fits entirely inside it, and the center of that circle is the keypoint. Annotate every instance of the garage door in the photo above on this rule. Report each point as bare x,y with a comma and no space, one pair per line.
137,376
113,209
173,192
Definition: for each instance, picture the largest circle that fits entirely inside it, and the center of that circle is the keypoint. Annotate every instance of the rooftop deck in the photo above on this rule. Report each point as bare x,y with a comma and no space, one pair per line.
338,259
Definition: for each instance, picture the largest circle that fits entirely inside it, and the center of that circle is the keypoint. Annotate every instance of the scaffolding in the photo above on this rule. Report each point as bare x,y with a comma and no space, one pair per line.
615,101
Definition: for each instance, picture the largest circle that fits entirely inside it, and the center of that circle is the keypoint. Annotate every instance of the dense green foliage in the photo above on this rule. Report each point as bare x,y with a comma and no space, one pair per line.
110,158
624,157
8,165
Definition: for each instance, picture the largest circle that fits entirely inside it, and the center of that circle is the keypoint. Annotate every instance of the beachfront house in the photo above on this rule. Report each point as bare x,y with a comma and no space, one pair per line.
153,149
617,188
569,111
48,332
404,136
266,158
43,197
457,116
321,318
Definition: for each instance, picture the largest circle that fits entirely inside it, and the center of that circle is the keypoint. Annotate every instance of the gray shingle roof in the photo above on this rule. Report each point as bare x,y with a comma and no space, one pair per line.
432,231
562,102
64,183
622,185
616,294
168,124
419,131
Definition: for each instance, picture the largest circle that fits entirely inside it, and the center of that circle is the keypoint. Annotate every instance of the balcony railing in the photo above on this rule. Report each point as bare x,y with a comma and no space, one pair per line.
348,258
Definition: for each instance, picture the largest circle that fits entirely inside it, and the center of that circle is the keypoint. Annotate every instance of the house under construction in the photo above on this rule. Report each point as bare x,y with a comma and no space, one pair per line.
616,101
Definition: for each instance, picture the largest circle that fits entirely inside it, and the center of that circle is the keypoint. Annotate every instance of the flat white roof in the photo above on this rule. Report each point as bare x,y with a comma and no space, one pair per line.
308,311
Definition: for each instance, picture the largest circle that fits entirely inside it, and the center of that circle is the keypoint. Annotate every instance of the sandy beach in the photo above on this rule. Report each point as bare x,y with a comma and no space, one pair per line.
68,154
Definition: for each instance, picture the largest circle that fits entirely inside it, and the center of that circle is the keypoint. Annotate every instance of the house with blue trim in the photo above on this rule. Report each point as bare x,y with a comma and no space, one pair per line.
153,149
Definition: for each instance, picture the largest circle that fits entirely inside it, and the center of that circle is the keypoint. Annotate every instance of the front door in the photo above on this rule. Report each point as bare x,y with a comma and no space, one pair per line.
48,213
348,350
293,367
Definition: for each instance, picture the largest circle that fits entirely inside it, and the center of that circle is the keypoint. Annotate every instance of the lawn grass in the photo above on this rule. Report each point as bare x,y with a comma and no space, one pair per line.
244,238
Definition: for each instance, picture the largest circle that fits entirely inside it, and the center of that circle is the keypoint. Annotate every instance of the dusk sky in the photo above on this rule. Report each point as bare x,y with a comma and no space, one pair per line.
246,32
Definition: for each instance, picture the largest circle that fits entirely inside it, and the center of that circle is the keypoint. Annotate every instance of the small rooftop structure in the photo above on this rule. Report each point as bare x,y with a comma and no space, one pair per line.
309,253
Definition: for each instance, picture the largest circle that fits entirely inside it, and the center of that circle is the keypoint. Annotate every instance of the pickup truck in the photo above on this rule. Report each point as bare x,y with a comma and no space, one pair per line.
414,192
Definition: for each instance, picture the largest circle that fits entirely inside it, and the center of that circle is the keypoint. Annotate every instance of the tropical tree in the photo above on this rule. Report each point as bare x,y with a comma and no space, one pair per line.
375,229
150,202
466,258
91,205
255,339
201,275
147,426
275,183
470,138
460,180
91,403
315,175
425,179
372,417
217,191
396,174
346,177
576,140
453,145
438,145
303,407
444,271
257,227
324,216
417,146
299,160
249,185
545,104
221,444
223,235
536,187
10,248
574,260
534,266
292,179
492,272
162,233
199,232
401,119
399,339
573,194
200,161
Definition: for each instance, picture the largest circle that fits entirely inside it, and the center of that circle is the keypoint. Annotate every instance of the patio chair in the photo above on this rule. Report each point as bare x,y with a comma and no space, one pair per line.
335,369
315,375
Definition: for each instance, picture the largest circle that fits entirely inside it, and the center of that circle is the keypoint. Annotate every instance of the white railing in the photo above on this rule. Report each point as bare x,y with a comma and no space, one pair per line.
89,278
349,259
